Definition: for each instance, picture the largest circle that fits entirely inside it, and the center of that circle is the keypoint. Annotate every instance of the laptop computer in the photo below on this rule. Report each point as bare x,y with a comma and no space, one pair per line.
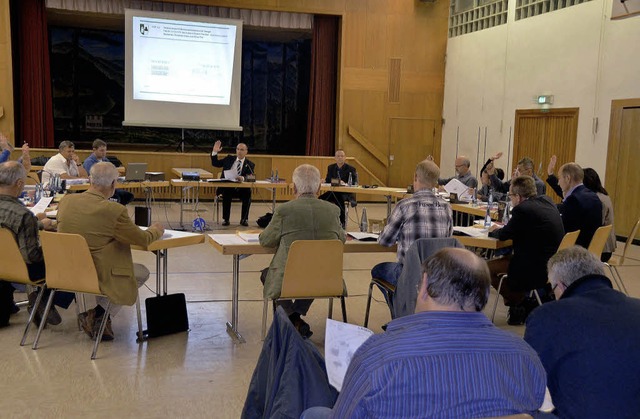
135,172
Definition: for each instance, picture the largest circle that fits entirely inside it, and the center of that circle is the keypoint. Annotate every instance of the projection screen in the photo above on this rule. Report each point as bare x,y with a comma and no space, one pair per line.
182,71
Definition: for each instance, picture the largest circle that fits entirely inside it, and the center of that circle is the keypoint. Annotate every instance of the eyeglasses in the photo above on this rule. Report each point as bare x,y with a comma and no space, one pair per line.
511,194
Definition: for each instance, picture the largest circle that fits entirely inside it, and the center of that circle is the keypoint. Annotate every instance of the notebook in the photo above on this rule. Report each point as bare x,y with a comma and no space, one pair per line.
135,172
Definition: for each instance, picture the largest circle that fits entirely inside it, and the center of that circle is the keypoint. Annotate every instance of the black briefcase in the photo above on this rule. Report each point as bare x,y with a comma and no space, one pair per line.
166,314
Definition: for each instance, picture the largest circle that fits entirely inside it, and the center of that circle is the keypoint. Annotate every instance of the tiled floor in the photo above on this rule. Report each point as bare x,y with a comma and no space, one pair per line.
201,373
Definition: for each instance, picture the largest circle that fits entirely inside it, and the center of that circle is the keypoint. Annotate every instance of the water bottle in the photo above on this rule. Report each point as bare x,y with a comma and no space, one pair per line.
364,223
474,197
507,214
271,177
487,217
277,177
350,181
38,192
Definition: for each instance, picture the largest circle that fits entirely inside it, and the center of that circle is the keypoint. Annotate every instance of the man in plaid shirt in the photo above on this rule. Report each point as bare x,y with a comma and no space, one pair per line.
423,215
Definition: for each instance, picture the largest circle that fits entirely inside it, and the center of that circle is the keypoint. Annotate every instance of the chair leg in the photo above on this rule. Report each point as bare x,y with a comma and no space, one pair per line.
535,293
617,278
265,306
103,324
32,315
43,320
344,308
366,313
495,305
140,334
331,308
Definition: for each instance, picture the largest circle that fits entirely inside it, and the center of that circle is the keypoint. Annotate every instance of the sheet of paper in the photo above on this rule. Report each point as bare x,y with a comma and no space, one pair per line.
471,231
340,343
249,237
174,234
42,205
227,239
363,236
457,187
231,174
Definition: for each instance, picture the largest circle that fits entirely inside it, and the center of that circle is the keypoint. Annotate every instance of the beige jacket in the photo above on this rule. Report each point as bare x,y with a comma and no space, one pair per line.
109,233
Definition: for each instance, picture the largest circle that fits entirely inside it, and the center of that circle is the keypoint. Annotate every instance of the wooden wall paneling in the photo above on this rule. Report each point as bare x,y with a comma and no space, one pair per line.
417,132
376,50
623,172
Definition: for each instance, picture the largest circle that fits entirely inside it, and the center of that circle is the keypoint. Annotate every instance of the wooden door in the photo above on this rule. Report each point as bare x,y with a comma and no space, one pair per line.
539,135
410,142
623,171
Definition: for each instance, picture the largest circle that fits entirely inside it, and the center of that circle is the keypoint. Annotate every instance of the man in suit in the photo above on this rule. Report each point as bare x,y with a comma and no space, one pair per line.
243,167
581,208
109,232
343,172
304,218
100,154
588,340
536,230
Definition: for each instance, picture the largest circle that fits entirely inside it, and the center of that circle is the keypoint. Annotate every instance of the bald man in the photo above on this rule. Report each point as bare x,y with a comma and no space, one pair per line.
463,174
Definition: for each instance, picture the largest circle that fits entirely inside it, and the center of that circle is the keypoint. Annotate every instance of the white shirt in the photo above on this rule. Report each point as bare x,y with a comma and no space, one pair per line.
58,165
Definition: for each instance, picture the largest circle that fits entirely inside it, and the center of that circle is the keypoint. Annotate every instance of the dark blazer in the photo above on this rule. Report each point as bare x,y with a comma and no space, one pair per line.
582,210
588,342
536,230
334,172
503,187
248,168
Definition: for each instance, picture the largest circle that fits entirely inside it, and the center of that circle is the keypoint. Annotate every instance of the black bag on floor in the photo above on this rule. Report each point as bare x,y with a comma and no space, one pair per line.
166,314
264,220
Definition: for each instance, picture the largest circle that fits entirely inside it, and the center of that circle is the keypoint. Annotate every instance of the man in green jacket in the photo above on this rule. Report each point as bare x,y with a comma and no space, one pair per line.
304,218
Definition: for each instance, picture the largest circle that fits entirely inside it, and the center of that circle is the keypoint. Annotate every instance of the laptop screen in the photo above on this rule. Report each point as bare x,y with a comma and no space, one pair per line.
135,172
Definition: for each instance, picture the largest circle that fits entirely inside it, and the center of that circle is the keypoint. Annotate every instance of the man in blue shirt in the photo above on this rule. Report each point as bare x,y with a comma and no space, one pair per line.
447,360
100,154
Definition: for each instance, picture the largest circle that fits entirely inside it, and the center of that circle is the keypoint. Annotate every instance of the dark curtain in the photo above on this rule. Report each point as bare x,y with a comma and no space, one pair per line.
30,45
321,120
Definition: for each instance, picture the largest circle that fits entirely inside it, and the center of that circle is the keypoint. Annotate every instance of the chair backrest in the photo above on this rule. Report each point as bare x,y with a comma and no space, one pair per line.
569,240
404,300
629,242
69,263
313,269
599,239
12,266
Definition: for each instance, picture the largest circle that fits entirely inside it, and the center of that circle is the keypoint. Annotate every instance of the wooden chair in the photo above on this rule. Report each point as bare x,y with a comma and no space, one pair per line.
70,267
313,270
568,240
14,269
616,261
599,239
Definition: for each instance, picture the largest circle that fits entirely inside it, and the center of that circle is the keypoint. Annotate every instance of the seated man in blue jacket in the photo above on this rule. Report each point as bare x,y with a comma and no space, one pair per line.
588,340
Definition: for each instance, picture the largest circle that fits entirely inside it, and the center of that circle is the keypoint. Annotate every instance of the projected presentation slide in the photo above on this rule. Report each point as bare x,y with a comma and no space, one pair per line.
180,61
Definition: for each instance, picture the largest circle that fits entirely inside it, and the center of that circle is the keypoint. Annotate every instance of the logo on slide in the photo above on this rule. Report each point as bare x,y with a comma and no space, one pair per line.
143,29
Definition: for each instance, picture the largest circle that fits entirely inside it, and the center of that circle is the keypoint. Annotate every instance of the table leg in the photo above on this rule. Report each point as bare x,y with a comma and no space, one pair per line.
147,197
388,205
182,205
158,271
273,200
165,271
232,328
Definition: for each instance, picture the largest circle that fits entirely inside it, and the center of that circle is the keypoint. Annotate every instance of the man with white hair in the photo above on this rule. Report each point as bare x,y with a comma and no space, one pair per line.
304,218
66,164
588,340
109,232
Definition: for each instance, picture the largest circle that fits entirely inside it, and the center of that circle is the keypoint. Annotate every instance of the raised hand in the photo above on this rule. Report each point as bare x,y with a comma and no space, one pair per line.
552,165
217,146
497,156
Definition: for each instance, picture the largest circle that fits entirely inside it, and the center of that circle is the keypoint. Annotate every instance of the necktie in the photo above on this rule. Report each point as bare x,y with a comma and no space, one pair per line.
239,167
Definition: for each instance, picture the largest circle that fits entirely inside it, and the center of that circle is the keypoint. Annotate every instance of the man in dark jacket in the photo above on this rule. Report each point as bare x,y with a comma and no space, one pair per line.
243,167
536,230
341,171
588,340
581,208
